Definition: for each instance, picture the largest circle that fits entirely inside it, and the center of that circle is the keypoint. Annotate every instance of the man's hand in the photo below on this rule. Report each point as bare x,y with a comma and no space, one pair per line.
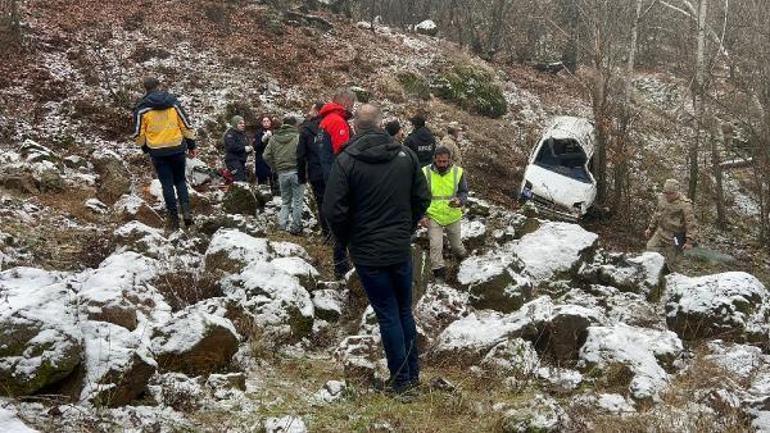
455,202
424,222
192,153
648,233
248,149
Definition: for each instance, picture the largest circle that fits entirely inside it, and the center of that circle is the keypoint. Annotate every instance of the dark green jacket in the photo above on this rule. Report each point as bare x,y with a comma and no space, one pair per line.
281,150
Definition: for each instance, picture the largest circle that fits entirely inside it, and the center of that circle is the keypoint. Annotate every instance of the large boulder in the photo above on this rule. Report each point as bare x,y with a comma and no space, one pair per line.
195,342
279,303
241,199
566,330
116,290
329,304
642,274
427,27
492,283
554,250
646,353
130,207
117,367
231,250
732,306
40,343
515,357
467,341
114,177
141,238
440,306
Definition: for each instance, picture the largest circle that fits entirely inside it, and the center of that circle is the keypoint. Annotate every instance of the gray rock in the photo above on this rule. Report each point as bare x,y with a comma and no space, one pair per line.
539,415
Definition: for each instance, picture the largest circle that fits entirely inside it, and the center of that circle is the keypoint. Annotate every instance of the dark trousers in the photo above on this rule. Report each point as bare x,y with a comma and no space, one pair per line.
170,170
319,187
237,168
389,290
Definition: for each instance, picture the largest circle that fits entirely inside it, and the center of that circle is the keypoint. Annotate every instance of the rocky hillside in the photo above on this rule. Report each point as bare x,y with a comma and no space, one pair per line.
110,324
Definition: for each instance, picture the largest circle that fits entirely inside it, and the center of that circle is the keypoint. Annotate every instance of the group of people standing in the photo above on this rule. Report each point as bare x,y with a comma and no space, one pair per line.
372,193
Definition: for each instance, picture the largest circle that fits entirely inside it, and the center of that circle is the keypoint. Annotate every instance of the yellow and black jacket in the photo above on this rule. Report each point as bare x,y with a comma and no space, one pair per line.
161,125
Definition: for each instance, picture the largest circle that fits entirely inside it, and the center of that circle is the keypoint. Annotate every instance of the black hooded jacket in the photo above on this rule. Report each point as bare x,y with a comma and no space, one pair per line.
308,159
423,143
375,196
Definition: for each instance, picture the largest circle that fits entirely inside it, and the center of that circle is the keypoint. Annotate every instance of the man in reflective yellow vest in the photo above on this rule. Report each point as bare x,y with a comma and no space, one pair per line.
449,192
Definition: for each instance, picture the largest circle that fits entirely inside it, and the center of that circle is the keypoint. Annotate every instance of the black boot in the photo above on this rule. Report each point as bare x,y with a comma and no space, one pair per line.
187,215
173,222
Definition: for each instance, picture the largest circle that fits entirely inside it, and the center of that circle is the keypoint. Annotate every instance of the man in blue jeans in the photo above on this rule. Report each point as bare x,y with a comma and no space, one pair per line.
374,199
162,129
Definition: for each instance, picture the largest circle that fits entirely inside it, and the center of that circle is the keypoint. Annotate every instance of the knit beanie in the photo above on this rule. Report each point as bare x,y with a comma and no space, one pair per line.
235,121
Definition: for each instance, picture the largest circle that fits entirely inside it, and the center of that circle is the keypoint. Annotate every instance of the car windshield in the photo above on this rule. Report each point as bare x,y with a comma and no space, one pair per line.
564,156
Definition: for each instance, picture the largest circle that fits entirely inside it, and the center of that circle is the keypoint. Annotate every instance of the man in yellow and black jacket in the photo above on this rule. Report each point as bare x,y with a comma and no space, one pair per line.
162,129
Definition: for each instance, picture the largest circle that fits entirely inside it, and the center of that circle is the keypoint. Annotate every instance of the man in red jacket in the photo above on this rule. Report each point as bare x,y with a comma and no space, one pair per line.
335,116
333,134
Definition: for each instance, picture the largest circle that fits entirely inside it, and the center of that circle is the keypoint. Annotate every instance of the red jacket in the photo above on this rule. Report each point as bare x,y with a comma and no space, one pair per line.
335,124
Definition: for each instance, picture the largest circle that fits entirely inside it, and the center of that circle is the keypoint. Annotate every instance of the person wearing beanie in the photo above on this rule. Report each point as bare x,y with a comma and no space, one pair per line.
421,140
672,228
163,131
237,148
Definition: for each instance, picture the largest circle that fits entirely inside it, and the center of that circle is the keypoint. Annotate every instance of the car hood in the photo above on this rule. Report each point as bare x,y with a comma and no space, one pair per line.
560,189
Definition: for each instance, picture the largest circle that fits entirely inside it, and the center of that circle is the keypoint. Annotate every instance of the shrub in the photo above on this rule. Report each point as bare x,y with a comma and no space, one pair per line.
185,288
415,85
471,88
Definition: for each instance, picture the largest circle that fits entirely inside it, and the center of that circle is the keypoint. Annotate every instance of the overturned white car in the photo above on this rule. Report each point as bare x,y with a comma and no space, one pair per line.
558,177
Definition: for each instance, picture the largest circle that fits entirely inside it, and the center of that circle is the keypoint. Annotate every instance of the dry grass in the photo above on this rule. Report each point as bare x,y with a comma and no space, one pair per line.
185,288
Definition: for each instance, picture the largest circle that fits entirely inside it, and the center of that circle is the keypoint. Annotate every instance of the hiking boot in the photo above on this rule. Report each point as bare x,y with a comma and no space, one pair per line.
186,214
439,275
173,222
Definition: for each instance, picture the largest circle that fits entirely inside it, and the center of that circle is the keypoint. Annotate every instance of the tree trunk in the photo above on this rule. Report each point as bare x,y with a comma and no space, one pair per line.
700,75
716,160
572,15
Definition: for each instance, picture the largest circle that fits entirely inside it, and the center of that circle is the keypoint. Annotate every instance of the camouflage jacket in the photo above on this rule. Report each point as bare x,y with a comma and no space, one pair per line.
674,217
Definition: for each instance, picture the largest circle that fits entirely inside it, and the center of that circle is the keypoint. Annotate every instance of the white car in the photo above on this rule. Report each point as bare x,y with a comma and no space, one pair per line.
558,178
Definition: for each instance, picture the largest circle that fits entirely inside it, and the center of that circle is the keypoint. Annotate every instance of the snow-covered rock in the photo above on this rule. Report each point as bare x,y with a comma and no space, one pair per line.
641,350
559,380
556,248
118,365
116,290
195,342
515,357
566,330
541,414
197,172
141,238
328,304
474,233
231,250
492,282
286,424
740,360
332,391
427,27
298,267
467,340
438,307
176,390
114,177
732,306
40,343
131,207
358,355
279,303
241,199
642,274
10,422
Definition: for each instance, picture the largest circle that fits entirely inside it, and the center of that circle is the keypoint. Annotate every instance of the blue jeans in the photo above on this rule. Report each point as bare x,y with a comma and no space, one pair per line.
170,170
292,200
389,290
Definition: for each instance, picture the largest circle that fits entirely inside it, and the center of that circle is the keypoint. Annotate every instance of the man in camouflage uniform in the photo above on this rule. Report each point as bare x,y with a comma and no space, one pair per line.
673,217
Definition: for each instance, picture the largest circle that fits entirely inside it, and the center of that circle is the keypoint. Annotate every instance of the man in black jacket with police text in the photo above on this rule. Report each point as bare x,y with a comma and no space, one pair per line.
375,197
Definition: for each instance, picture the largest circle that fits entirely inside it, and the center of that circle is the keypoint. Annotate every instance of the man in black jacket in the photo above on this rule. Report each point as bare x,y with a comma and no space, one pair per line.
374,199
421,140
309,163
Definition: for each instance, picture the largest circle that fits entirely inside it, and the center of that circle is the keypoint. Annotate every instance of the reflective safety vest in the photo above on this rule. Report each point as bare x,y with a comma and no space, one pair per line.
443,188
